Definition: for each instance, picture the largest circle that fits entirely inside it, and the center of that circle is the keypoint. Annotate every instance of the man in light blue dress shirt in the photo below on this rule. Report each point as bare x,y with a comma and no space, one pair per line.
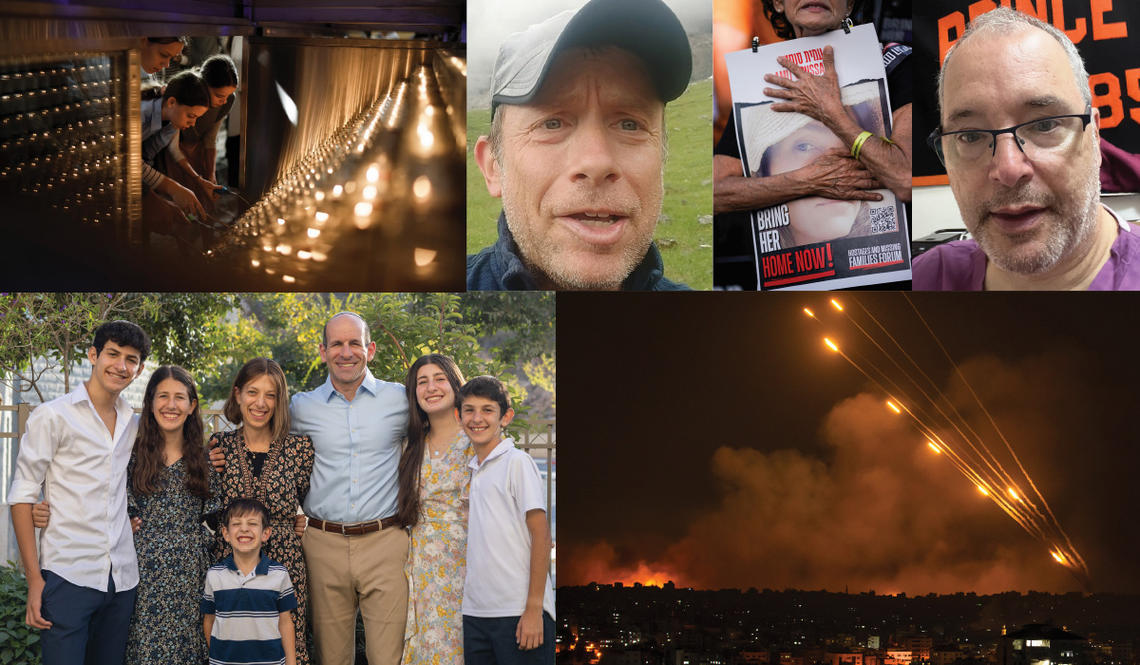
354,548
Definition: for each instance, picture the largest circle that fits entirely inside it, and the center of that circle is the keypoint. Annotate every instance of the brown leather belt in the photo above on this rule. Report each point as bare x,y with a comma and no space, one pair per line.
358,529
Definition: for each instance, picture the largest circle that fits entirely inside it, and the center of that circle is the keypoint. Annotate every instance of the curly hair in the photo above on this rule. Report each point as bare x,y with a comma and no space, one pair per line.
778,20
123,333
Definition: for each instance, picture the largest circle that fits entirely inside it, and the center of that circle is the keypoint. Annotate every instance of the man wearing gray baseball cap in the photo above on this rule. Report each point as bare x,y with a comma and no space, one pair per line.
577,149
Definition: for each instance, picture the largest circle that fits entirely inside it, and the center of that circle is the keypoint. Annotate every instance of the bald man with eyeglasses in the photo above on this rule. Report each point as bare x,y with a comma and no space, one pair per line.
1021,146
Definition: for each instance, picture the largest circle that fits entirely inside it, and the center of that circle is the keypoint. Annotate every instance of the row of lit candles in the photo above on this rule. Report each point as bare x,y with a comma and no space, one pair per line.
60,70
91,130
74,90
54,169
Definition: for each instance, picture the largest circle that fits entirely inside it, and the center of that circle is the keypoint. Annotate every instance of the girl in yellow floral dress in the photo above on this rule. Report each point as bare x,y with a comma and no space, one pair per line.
433,496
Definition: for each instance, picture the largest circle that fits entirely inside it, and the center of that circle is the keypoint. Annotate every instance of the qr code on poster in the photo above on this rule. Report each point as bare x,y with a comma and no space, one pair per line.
883,220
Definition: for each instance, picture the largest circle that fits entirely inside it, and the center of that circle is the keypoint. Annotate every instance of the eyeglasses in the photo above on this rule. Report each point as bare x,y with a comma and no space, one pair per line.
1034,138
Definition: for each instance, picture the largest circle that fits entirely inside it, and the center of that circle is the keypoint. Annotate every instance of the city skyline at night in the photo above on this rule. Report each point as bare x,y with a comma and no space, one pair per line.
765,460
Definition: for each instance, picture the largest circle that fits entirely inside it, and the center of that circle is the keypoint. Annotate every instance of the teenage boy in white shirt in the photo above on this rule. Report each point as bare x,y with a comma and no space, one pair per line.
82,574
508,602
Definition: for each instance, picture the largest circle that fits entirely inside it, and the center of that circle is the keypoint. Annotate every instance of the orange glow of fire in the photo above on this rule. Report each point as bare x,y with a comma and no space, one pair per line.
643,574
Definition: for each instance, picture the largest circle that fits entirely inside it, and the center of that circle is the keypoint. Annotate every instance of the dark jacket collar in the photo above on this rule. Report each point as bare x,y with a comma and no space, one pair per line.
499,267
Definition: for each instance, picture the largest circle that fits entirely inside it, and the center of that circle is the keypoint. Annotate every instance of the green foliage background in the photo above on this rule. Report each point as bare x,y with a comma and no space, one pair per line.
506,335
684,233
18,642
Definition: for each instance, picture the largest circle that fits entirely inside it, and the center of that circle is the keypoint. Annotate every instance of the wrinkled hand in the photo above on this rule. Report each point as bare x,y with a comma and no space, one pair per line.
136,524
41,514
837,175
33,616
218,459
814,96
299,523
528,635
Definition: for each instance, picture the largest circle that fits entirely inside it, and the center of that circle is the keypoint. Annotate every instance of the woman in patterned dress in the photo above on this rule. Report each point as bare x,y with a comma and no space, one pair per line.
434,481
170,490
264,461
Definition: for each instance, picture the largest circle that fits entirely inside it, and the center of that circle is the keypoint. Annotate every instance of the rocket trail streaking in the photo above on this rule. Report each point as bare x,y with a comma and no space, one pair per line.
989,417
985,483
985,456
882,380
969,453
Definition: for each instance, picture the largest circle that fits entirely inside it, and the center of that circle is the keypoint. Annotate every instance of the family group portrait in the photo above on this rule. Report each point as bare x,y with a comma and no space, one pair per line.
278,478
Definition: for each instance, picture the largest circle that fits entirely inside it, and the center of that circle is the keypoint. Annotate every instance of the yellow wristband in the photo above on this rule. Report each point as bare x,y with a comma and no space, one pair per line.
858,144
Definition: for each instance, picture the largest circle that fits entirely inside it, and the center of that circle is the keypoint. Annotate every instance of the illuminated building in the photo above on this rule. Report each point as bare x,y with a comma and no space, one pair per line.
1043,644
920,647
845,658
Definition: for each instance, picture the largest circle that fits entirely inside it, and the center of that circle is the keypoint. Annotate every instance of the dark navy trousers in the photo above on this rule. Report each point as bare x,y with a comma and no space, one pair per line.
491,641
88,626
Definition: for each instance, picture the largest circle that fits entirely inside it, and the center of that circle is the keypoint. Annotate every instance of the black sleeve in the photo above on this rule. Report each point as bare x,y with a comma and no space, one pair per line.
727,144
900,84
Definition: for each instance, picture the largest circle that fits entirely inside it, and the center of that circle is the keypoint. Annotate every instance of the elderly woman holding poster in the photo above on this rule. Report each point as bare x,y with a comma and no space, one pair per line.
856,163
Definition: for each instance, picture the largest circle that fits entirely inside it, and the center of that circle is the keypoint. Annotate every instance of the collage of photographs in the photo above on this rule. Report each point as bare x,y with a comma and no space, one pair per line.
290,286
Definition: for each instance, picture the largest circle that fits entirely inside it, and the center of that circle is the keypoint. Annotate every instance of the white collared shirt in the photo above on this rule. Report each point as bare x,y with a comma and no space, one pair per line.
503,488
82,468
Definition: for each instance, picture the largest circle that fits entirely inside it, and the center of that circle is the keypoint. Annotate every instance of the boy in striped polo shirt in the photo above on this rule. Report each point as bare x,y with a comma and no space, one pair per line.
248,598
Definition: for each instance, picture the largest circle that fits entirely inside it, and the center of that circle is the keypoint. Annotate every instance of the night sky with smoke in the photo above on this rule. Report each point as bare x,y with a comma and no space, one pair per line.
712,440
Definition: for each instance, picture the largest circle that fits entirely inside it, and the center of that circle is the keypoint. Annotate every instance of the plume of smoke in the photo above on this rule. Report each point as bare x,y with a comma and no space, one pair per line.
878,511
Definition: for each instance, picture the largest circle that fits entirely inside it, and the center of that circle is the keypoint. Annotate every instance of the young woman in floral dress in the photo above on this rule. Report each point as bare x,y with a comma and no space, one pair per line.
433,500
170,490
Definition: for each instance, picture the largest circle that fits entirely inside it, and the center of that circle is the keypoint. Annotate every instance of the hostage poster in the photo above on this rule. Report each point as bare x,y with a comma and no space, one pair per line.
815,242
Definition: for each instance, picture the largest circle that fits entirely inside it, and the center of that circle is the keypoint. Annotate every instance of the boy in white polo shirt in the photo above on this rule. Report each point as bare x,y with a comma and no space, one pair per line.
508,602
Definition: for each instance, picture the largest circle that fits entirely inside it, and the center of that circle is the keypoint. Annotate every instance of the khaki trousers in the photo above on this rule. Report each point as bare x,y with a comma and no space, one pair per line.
350,572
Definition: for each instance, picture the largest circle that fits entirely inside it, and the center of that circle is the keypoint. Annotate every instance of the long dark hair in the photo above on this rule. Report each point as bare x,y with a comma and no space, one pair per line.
412,458
148,475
